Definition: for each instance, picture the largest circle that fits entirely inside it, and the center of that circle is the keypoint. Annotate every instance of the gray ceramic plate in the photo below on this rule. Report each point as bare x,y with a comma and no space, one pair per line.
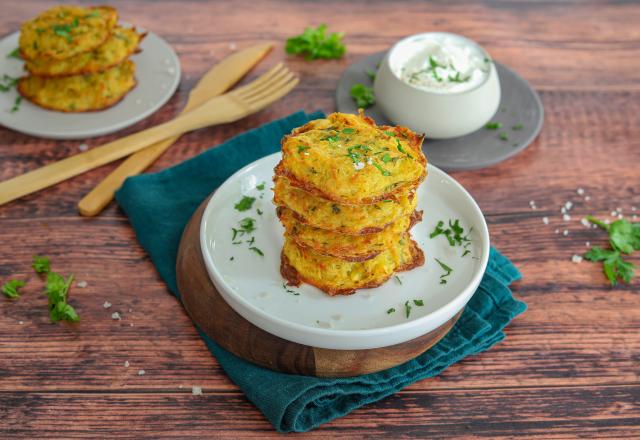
158,75
520,105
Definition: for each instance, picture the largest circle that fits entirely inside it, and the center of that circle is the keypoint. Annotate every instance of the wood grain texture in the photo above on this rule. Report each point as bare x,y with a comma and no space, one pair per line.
569,365
223,324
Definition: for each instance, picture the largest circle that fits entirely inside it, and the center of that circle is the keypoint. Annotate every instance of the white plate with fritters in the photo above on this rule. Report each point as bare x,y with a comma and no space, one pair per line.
157,73
247,274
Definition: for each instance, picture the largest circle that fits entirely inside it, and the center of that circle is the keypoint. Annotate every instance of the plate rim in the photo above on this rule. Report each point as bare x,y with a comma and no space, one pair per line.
340,339
113,128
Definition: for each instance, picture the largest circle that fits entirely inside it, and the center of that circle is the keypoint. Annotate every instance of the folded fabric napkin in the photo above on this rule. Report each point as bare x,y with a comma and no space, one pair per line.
160,205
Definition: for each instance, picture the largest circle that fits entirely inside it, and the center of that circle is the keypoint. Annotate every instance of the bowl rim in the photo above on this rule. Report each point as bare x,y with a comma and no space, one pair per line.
406,40
355,339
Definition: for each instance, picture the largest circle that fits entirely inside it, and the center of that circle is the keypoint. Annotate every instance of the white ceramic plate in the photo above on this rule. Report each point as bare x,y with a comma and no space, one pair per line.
253,286
158,75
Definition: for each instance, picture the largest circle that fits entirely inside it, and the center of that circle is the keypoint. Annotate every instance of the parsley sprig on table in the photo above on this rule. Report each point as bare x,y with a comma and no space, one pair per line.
315,44
11,288
362,95
624,238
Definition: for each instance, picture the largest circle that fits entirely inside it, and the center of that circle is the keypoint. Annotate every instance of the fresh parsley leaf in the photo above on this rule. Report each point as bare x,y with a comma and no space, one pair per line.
386,158
493,125
371,74
245,203
398,279
15,53
614,266
257,251
41,264
259,211
433,63
16,104
315,44
260,187
11,287
401,149
362,95
7,83
348,130
624,236
391,310
504,136
57,291
247,225
453,234
302,148
447,269
418,302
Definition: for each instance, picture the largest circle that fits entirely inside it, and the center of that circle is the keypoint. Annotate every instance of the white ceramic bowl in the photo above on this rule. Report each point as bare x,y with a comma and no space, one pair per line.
252,285
438,114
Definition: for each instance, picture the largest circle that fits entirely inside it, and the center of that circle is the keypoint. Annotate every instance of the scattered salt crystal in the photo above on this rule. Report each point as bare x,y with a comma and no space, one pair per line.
580,191
587,198
130,310
20,322
633,208
585,222
619,209
557,231
566,217
232,46
563,210
565,232
82,284
588,244
614,213
83,147
635,216
620,216
576,259
358,166
532,204
545,220
116,316
568,205
131,324
106,304
196,391
126,364
141,372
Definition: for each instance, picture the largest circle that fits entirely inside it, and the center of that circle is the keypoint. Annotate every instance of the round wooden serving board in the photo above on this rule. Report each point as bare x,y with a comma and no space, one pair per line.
221,323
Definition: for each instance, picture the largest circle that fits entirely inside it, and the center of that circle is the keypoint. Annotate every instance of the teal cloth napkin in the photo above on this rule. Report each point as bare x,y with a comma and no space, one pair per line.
160,205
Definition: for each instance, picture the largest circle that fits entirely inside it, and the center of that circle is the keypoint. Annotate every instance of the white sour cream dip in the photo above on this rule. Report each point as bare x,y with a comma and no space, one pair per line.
441,62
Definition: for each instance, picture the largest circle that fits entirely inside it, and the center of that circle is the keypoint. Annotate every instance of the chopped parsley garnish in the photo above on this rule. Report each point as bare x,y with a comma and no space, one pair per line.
293,292
259,211
457,78
302,148
231,259
418,302
315,44
7,83
447,269
253,240
398,279
41,264
64,30
16,104
362,95
371,74
386,158
11,288
348,130
245,203
15,53
402,150
391,310
624,238
333,138
504,136
453,234
390,133
517,127
493,125
257,251
407,309
260,187
382,170
433,63
247,225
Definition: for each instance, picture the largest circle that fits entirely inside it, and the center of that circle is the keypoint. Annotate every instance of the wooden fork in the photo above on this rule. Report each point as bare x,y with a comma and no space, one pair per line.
232,106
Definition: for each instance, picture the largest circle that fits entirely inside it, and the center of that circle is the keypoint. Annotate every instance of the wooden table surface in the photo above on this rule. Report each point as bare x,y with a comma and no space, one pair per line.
569,366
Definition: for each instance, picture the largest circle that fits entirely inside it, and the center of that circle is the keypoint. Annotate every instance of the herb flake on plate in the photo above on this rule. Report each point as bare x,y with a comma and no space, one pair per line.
362,95
245,203
447,269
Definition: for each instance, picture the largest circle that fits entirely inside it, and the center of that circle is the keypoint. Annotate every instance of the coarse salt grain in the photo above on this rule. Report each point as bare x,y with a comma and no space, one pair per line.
633,208
82,284
20,322
614,213
587,198
83,147
587,244
141,372
580,191
568,205
358,166
196,391
106,304
585,222
557,231
116,316
566,217
126,364
576,259
565,232
232,46
563,210
545,220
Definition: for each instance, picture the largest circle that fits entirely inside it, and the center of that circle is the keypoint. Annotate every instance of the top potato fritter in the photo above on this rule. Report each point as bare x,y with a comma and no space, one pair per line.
65,31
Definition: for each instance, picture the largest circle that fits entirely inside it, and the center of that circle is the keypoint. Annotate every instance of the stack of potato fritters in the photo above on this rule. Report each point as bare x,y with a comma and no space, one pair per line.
77,58
345,191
